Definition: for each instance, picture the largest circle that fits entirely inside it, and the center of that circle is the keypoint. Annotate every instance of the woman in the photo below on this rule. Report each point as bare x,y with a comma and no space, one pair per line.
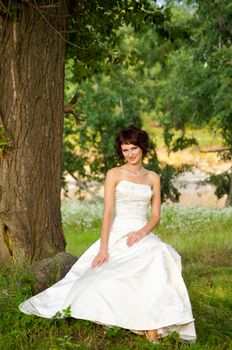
129,277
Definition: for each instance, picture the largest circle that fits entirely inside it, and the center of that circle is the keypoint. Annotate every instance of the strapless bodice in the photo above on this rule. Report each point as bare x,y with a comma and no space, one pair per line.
132,200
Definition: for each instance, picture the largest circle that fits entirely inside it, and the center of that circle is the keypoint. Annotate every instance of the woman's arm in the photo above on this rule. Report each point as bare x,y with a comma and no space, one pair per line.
134,237
109,197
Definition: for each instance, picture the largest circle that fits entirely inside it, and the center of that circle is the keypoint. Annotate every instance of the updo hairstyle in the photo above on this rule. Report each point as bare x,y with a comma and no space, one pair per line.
132,135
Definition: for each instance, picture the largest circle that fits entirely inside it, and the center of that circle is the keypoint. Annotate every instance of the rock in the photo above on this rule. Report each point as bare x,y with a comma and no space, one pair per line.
50,270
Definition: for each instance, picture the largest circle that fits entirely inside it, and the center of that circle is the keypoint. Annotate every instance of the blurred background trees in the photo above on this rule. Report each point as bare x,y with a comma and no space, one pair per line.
177,75
197,89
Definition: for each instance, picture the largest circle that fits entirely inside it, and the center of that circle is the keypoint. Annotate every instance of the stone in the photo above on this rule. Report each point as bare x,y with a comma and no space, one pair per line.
50,270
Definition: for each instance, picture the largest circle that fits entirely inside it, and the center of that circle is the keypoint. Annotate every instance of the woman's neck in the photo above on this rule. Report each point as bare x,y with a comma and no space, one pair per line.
136,169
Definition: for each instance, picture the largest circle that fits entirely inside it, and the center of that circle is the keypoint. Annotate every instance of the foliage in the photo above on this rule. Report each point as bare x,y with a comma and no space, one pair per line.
202,236
5,141
179,76
109,103
115,71
94,30
195,90
117,97
221,182
168,190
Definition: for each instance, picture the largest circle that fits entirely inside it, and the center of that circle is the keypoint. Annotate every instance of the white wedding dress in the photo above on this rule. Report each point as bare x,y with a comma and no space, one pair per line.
139,288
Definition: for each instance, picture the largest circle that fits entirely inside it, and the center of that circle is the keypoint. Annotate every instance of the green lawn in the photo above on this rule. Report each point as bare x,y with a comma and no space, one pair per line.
202,237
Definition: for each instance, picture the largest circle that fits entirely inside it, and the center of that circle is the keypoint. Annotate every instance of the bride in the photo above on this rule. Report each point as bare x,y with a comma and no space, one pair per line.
128,278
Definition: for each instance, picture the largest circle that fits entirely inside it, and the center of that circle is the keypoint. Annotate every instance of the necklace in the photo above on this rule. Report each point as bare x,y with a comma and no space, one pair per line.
141,171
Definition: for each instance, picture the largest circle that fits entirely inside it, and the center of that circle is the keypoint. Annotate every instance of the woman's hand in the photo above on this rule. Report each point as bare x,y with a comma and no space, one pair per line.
100,258
134,237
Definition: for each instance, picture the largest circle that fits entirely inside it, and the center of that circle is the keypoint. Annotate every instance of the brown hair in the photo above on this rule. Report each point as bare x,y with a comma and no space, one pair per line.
132,135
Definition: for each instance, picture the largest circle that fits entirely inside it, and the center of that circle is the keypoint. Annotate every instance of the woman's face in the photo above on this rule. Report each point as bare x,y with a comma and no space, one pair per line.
132,153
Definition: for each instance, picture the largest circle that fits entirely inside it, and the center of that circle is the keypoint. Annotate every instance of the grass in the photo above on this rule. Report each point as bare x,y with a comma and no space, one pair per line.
205,136
203,238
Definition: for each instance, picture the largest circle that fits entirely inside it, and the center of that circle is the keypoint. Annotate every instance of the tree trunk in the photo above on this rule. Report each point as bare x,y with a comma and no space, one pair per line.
31,107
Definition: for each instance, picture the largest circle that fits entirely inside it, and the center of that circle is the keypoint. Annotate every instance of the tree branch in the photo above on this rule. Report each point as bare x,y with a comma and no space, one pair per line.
69,107
3,8
211,150
84,187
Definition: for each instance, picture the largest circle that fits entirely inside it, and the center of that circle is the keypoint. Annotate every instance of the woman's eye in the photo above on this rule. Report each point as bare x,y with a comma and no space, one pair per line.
132,149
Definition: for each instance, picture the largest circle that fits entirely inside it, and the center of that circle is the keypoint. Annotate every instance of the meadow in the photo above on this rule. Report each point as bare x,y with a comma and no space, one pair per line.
202,237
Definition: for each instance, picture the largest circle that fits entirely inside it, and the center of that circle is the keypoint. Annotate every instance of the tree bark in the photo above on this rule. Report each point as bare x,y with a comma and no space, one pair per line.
31,107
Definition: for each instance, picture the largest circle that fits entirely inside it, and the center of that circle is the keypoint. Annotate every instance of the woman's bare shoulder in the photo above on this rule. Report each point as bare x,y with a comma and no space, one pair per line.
113,173
154,177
